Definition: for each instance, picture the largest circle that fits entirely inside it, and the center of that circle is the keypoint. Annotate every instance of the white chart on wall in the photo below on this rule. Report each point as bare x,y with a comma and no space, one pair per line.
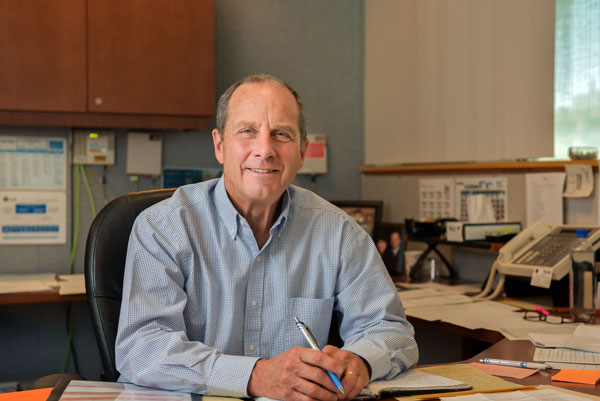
33,184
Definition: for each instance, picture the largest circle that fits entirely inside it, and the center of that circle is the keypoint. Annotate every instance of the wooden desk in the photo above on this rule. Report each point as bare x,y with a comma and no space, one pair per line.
523,350
38,297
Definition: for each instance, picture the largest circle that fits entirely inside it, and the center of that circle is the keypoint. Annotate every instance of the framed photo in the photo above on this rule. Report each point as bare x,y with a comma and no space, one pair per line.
390,239
365,213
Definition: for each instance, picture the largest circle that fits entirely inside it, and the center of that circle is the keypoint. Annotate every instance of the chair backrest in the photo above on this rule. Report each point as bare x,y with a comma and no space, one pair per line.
105,254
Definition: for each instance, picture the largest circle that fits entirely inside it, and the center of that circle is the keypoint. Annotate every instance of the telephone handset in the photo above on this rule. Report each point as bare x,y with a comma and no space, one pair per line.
539,245
542,245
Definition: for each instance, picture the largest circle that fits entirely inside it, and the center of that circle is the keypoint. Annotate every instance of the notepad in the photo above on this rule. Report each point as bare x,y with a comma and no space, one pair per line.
577,376
412,381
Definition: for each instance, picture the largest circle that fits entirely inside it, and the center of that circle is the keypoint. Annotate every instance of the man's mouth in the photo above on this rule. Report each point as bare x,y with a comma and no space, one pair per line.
262,170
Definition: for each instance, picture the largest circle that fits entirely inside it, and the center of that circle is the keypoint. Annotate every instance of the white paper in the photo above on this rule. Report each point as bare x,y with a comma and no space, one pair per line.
17,283
71,284
522,333
543,194
443,299
33,217
530,395
413,379
551,355
585,338
580,181
33,163
487,315
436,198
542,277
119,391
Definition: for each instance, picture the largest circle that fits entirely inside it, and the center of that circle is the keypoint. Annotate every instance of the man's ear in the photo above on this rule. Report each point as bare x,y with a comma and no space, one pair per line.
302,154
218,142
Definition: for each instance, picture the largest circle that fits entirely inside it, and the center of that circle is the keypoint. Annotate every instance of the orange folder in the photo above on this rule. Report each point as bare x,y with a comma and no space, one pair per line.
29,395
582,376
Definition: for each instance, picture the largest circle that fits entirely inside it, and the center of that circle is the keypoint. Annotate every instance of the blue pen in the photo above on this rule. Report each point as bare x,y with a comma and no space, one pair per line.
312,341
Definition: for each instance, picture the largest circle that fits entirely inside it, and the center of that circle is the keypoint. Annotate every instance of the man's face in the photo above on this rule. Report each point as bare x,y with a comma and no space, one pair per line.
395,240
260,150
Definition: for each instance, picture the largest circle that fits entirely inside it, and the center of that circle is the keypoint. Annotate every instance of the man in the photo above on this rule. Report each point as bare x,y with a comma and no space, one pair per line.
216,274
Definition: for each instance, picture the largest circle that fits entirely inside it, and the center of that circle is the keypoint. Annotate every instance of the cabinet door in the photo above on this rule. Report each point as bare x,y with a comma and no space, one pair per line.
151,56
42,55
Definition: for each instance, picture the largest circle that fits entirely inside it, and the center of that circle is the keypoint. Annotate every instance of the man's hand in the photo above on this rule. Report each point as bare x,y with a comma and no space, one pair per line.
356,372
299,374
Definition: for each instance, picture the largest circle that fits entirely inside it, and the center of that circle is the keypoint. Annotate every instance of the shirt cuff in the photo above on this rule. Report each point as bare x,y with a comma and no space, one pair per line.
230,375
376,357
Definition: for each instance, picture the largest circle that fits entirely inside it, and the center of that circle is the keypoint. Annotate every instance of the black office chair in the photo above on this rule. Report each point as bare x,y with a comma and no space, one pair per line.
105,254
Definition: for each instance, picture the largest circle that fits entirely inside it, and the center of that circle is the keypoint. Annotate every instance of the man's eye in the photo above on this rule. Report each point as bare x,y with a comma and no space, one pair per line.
282,135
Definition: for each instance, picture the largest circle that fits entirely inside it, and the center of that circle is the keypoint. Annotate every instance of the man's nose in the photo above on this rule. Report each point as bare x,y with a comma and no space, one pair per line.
264,145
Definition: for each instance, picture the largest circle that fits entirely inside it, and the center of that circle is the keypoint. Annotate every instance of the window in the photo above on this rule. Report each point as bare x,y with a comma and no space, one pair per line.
576,75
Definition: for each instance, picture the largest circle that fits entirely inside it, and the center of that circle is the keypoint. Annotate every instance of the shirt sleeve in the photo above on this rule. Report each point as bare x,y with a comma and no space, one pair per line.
373,324
152,347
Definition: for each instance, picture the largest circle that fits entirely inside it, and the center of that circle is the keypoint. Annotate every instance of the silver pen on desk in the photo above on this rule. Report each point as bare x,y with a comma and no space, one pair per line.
312,341
515,364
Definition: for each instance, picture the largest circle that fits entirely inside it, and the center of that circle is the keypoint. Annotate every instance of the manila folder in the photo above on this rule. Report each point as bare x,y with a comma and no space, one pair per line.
416,381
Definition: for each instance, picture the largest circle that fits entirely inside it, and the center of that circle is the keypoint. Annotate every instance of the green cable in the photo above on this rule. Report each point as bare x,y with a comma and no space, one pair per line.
76,224
71,260
89,191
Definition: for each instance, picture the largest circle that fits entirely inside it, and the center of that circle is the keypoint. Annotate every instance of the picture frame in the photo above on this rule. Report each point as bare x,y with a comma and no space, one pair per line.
366,213
390,239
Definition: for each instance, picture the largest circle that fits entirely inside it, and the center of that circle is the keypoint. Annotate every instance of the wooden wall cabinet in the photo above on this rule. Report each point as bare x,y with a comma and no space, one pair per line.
107,63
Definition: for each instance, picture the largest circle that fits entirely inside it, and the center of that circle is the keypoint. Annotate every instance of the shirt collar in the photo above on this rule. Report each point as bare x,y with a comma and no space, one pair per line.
231,217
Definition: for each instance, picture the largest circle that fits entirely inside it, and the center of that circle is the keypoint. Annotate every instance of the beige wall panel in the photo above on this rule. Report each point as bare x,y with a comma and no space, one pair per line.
458,80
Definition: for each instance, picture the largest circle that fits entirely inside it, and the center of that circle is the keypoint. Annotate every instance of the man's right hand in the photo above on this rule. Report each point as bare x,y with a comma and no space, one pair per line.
296,374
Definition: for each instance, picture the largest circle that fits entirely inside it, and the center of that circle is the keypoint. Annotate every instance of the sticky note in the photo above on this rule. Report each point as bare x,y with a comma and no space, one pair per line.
583,376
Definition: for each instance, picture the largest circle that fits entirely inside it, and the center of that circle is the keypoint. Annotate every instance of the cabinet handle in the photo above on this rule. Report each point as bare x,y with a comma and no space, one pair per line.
98,101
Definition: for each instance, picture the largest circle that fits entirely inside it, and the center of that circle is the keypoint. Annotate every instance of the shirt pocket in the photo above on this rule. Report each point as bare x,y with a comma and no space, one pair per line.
315,313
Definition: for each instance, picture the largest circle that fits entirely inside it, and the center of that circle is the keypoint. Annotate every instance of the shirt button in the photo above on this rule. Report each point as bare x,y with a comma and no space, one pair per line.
258,258
243,222
232,231
251,348
254,302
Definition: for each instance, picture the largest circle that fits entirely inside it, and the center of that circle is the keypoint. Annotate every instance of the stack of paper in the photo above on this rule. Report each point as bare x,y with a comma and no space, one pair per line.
581,350
16,283
415,381
95,390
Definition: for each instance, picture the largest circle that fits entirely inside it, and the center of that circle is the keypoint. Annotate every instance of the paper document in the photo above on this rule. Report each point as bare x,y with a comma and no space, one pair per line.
580,181
16,283
460,289
82,390
551,355
416,380
548,394
71,284
443,299
462,372
584,338
418,293
522,333
544,200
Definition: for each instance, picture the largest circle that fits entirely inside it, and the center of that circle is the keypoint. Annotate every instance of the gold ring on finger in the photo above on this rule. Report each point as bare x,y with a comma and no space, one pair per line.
352,373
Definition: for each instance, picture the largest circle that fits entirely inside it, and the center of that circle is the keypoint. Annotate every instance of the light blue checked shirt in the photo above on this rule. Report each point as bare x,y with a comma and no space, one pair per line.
201,303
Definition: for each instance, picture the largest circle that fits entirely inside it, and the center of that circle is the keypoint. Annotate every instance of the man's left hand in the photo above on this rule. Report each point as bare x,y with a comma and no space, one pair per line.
356,372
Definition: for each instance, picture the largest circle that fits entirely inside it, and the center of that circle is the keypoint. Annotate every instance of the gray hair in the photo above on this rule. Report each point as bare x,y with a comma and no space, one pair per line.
223,104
